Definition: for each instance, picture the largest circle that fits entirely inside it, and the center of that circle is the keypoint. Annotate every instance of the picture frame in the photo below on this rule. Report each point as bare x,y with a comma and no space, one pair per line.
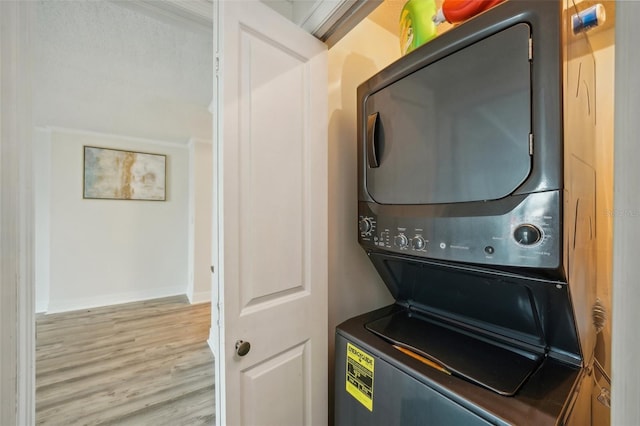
115,174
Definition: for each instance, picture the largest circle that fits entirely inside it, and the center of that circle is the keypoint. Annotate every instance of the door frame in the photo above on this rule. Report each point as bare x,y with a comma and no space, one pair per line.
17,285
625,389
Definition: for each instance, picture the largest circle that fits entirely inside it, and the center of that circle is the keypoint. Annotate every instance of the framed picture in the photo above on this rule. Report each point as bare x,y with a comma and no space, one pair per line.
114,174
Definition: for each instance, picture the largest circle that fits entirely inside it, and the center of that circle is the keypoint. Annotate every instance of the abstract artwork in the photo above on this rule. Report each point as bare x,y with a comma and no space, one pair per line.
123,175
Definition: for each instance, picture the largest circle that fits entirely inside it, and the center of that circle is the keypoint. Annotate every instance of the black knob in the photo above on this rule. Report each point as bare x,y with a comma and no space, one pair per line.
417,242
527,234
401,240
365,225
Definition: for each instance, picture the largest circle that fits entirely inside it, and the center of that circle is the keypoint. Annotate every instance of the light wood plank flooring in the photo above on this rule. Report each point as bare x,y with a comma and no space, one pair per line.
143,363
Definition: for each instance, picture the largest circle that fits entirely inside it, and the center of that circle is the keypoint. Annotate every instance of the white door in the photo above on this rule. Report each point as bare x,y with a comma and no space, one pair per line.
271,184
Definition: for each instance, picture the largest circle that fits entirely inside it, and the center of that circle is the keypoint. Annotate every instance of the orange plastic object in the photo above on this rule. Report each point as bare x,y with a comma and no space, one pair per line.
460,10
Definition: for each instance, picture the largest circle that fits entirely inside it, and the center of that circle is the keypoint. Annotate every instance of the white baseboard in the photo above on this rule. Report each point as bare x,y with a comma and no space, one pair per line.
65,305
201,297
211,341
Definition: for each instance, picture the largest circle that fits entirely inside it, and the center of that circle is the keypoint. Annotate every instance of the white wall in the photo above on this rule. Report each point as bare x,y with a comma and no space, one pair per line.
354,285
113,251
200,213
105,68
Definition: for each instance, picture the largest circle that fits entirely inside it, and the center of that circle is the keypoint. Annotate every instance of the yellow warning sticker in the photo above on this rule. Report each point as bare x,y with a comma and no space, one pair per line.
360,375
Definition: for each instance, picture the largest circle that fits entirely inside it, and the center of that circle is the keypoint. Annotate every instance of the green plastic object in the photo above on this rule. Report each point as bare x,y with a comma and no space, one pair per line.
416,24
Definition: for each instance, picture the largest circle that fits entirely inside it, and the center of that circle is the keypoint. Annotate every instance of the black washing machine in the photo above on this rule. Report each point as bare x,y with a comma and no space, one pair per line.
476,205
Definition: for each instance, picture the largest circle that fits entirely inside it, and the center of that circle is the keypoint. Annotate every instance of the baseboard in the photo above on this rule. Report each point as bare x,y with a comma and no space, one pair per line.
211,341
66,305
200,297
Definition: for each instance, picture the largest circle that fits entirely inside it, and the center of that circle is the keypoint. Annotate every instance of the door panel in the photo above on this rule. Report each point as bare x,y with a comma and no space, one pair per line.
274,115
271,213
265,383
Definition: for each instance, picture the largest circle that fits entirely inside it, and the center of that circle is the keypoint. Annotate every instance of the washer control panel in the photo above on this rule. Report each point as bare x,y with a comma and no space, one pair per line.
522,231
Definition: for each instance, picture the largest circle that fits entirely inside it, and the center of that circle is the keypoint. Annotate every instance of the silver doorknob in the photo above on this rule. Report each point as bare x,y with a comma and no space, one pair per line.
242,347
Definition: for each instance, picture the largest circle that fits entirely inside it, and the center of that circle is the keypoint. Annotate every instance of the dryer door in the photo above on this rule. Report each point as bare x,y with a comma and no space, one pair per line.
456,130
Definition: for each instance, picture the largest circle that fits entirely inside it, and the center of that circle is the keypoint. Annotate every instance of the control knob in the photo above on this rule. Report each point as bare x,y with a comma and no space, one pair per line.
527,234
418,242
365,225
401,241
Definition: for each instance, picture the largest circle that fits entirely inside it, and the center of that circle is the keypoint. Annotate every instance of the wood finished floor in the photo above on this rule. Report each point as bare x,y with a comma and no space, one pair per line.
143,363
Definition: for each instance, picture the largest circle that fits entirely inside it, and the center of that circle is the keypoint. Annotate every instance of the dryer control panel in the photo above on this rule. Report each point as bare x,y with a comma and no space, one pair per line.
522,231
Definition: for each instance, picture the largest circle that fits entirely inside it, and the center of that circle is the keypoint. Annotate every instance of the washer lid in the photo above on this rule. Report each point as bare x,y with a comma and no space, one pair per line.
498,367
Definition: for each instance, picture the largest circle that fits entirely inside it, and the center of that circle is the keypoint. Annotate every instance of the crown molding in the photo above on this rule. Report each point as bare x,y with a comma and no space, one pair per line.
330,20
196,15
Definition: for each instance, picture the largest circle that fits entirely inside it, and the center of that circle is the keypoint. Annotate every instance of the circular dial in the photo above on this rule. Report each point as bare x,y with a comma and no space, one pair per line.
527,234
365,225
418,242
401,240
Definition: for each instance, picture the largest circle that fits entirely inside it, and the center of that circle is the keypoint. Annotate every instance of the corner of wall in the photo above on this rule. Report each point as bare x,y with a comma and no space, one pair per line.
42,215
191,220
200,297
359,55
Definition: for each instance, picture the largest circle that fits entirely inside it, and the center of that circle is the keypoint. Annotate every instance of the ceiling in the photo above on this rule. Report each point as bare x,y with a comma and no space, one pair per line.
102,67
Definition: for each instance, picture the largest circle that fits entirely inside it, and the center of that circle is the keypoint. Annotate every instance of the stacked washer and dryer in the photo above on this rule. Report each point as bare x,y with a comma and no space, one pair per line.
477,208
